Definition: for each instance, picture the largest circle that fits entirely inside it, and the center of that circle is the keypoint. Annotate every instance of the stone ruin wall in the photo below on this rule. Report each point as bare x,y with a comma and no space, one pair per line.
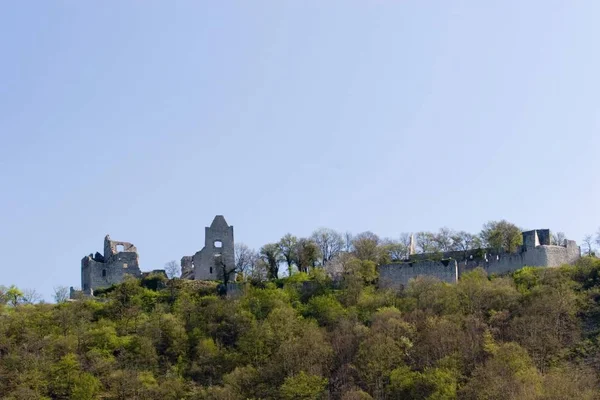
99,271
121,259
535,252
398,275
540,256
187,267
218,247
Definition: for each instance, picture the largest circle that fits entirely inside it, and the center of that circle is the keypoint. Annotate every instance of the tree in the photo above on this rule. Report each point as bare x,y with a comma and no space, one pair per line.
307,254
501,235
443,239
362,269
427,242
303,387
558,238
588,245
432,383
395,249
259,269
366,246
287,248
13,295
172,269
226,270
356,394
384,349
245,258
405,240
339,266
61,294
465,241
31,296
509,374
271,255
330,243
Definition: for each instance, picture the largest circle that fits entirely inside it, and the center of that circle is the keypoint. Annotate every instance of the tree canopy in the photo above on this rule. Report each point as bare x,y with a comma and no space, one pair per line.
529,335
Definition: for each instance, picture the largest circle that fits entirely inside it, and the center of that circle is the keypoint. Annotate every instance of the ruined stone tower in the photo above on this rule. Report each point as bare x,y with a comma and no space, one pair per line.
216,256
119,259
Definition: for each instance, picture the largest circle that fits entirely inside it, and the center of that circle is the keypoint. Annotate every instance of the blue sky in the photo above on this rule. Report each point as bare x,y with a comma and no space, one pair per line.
145,119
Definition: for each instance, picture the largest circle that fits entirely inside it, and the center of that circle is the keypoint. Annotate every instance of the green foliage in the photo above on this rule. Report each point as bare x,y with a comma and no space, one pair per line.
327,310
502,235
508,374
531,335
526,278
432,383
12,295
303,387
154,281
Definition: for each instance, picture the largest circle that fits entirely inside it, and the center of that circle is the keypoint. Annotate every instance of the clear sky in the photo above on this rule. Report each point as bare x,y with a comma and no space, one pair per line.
145,119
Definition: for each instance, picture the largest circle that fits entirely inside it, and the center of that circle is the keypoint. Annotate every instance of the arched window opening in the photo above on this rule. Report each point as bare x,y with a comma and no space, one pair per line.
218,244
211,270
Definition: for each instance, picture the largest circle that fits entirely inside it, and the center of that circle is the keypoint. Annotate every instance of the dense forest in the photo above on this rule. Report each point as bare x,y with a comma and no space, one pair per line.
530,335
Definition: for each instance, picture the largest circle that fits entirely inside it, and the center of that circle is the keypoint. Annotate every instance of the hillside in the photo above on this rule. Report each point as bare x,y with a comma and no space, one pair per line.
530,335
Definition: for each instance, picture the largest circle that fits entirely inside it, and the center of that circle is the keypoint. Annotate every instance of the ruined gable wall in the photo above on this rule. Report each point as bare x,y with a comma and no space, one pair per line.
398,275
111,247
204,260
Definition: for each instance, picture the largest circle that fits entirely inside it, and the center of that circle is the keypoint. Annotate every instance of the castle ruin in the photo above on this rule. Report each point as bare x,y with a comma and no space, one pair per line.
536,251
103,270
216,258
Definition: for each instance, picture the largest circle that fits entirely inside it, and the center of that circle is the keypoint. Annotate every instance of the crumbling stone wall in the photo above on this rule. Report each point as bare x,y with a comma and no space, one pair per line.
398,275
119,259
535,252
187,267
216,257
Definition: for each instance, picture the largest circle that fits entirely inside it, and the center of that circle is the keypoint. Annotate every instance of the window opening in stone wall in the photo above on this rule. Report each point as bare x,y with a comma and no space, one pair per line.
218,244
217,255
103,273
211,270
120,248
124,265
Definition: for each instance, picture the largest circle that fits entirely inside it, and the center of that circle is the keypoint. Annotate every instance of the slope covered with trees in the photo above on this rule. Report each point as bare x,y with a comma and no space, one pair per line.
531,335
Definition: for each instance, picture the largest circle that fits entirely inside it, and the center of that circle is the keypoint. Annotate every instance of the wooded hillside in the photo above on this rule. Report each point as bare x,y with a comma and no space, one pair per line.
531,335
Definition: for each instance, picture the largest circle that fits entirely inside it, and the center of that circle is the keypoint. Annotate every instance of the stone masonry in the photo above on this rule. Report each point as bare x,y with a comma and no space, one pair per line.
536,251
119,259
216,256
